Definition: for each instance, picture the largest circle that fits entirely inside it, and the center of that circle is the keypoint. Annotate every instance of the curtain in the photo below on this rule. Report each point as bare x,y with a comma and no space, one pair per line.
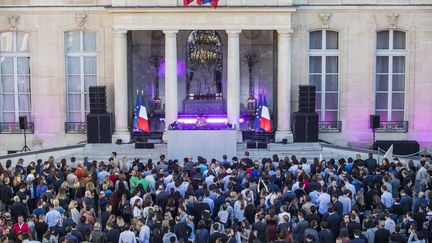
315,40
332,40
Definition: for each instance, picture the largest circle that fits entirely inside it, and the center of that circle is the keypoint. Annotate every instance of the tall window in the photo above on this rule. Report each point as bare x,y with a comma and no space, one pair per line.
390,75
80,49
15,92
324,72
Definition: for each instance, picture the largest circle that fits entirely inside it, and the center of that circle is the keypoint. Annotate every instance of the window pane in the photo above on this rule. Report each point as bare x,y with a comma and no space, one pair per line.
23,83
398,101
24,102
315,79
398,82
331,100
74,83
315,40
87,102
73,65
23,64
89,80
74,117
398,64
8,117
399,40
72,41
89,41
6,41
382,64
89,65
318,101
314,64
331,116
7,84
331,64
383,115
381,101
383,40
397,116
382,82
74,102
23,42
7,65
8,102
331,82
332,40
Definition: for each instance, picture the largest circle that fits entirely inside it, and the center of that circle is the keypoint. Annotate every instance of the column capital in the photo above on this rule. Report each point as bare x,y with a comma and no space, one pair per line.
119,33
233,32
171,32
285,32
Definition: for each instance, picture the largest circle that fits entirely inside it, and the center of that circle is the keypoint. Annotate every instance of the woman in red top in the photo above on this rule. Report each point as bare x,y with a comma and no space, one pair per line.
21,226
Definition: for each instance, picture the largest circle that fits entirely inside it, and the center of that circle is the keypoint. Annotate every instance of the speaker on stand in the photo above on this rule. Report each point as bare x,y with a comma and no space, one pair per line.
99,121
374,123
23,126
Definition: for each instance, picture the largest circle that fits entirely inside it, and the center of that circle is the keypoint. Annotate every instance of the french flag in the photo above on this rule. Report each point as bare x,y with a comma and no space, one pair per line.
265,122
143,123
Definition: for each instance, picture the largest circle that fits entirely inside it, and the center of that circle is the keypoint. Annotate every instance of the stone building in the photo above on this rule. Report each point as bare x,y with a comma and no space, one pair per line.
364,58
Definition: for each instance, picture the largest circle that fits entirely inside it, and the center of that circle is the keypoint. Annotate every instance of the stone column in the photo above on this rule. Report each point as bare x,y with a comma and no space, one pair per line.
171,99
233,88
120,87
284,87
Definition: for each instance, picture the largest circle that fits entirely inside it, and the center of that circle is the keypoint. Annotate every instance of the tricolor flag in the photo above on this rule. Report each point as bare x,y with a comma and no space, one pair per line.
214,3
258,115
265,122
143,123
137,109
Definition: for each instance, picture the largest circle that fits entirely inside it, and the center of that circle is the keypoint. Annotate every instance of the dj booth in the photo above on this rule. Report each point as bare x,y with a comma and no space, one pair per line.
405,147
206,143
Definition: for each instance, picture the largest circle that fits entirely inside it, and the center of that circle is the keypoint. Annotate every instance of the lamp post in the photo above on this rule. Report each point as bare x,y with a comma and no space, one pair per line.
156,61
250,60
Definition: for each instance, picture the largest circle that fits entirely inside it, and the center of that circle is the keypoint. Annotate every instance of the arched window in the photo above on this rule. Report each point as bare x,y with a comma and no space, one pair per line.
81,66
390,75
324,72
15,88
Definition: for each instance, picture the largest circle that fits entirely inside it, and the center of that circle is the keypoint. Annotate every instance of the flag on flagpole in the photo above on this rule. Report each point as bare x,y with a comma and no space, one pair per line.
258,115
143,123
187,2
265,121
214,3
137,110
389,153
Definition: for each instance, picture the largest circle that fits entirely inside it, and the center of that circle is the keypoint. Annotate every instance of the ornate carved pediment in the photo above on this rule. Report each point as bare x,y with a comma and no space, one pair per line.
325,20
13,21
80,19
393,20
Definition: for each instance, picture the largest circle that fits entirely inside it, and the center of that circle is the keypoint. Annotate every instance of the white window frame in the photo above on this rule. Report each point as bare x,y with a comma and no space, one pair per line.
81,54
15,55
324,53
390,53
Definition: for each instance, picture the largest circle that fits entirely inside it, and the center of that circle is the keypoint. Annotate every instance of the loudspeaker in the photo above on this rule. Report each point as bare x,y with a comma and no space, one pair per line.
374,121
305,127
22,122
307,95
97,99
262,144
99,128
143,145
251,145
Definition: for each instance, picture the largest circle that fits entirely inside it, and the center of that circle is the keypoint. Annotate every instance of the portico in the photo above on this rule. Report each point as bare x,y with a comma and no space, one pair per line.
232,21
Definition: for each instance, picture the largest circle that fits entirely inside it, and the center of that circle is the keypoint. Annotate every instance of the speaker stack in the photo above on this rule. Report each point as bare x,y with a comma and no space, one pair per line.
305,121
99,121
374,121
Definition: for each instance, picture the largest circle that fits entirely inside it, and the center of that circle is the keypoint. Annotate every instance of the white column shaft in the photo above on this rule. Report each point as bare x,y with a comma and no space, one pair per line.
120,83
233,89
171,94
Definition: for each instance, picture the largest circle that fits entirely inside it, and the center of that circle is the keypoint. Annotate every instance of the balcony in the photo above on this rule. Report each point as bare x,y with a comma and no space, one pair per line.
76,127
330,126
392,127
14,128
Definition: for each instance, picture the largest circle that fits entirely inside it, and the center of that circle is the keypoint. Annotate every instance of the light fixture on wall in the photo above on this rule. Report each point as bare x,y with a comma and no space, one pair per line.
156,61
250,60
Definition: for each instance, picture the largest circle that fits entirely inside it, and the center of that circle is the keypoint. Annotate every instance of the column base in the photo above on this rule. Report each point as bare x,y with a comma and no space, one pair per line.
284,134
239,136
123,135
165,136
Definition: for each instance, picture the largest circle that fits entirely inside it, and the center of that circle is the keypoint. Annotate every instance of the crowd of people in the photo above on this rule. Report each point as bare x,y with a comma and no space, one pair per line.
237,200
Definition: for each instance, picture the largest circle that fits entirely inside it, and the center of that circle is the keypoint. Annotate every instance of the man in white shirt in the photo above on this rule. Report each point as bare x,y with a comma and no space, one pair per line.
127,236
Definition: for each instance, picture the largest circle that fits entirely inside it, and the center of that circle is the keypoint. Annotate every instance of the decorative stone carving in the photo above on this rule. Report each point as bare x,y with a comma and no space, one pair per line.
324,19
393,20
13,21
80,19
